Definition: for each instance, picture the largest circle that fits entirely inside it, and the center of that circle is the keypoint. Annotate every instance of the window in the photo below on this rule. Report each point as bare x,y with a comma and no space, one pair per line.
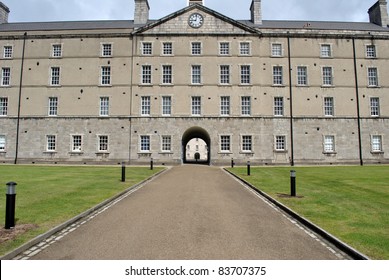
147,48
106,50
376,143
247,144
145,143
196,105
5,77
106,75
196,48
327,76
167,74
325,51
167,48
56,50
371,51
329,144
51,143
103,143
224,74
104,106
278,106
145,106
302,76
55,76
76,143
372,74
8,52
277,76
146,74
244,48
224,48
166,105
276,50
328,106
225,143
245,74
3,106
53,106
2,143
196,74
280,143
225,105
166,145
246,105
375,107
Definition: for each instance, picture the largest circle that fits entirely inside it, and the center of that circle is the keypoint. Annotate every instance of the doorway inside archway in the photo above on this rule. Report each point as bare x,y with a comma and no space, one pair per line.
196,144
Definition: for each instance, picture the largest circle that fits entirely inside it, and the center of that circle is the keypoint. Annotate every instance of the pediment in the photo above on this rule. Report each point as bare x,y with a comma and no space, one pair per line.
213,23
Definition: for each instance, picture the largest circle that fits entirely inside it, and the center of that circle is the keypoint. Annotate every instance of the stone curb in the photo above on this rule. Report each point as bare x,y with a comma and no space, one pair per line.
356,255
40,238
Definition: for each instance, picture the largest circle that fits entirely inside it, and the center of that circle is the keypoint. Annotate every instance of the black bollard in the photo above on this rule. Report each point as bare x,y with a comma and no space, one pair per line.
293,183
123,171
151,164
10,205
248,168
232,163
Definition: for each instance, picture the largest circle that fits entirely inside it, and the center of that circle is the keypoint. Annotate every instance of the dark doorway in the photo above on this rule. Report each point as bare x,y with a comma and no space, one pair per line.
196,146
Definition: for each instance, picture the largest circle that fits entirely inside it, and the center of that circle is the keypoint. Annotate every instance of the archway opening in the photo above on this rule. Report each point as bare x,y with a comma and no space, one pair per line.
196,145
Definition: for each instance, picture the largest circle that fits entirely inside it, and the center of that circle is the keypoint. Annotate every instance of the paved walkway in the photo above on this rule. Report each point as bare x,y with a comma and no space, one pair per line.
189,212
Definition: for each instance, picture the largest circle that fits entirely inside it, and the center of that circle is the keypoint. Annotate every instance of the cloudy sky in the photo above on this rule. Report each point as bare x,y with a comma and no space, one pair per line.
59,10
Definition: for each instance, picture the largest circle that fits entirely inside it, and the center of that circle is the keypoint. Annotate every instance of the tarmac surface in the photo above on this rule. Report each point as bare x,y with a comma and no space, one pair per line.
189,213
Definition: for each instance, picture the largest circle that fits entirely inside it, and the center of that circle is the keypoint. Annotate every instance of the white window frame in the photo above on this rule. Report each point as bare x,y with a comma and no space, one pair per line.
372,77
3,106
55,76
279,106
277,50
224,48
56,50
245,104
245,74
329,144
146,75
167,74
103,143
76,143
225,106
6,77
245,48
166,143
145,106
106,49
280,143
247,141
144,143
225,143
53,106
278,75
225,74
329,106
166,106
327,76
51,143
371,51
3,143
106,76
375,106
147,48
196,48
167,49
8,52
104,106
196,106
376,143
326,50
196,75
302,75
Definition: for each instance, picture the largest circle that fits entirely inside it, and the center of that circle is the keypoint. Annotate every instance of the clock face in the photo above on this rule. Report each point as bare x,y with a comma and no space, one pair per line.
196,20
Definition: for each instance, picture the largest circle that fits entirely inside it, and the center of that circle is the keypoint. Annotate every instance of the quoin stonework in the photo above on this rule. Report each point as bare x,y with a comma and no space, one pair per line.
268,92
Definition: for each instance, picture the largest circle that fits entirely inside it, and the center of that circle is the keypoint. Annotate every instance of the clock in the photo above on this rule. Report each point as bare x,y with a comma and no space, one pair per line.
196,20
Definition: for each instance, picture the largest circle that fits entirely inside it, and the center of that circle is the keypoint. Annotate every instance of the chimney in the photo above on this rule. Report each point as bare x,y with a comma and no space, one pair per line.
4,12
256,12
142,9
192,2
378,13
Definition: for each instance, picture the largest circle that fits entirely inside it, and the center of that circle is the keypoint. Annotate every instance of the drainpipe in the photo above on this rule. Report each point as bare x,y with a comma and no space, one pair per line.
358,104
291,103
20,99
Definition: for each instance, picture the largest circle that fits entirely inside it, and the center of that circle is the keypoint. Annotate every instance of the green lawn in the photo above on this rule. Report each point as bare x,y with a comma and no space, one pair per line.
351,203
50,195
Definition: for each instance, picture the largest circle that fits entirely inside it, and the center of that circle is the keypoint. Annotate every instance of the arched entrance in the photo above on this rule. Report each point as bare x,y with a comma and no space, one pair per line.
196,146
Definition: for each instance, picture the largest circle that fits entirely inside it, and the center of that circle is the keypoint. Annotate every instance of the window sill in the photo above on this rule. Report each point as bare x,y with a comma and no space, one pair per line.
76,153
327,86
281,151
279,86
225,153
377,153
330,153
102,153
166,153
145,85
373,87
144,153
105,86
49,152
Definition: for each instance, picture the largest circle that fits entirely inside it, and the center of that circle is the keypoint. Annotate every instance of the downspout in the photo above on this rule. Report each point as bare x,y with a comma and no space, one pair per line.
20,99
291,104
131,93
358,104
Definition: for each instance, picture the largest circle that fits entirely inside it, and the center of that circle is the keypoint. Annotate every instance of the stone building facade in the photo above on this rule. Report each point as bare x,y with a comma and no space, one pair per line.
269,92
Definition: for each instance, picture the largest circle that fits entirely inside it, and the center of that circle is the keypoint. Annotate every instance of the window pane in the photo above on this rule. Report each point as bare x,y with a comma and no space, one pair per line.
6,76
106,75
375,107
329,144
103,143
196,74
104,106
196,105
166,143
145,143
225,105
51,143
246,105
225,143
245,74
146,74
145,106
302,76
3,106
280,143
77,143
328,106
166,105
277,75
278,106
247,143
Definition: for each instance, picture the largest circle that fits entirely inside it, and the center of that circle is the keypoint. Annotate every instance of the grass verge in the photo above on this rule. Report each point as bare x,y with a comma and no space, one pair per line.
351,203
50,195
